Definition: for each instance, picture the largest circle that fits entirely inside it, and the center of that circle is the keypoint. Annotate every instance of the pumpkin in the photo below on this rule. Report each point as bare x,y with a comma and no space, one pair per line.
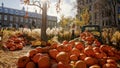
96,49
111,61
37,57
44,62
101,61
39,49
53,53
82,56
73,57
95,66
68,47
32,52
75,51
65,42
62,65
98,55
31,65
79,45
61,47
45,49
63,57
80,64
72,42
22,61
89,51
109,65
90,61
54,46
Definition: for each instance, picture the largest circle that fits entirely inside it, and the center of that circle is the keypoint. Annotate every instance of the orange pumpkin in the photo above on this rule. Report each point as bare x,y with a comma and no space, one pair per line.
79,45
68,47
62,65
73,57
80,64
65,42
44,62
75,51
102,61
96,49
61,47
22,61
37,57
30,65
82,56
109,65
45,49
32,52
90,61
89,51
95,66
39,49
54,46
63,57
53,53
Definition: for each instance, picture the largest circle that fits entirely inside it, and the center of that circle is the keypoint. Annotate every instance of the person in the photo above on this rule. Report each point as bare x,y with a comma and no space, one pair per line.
73,31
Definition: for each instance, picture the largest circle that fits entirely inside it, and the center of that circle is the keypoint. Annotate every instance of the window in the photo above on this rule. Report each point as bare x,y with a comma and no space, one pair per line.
21,19
5,17
11,18
16,19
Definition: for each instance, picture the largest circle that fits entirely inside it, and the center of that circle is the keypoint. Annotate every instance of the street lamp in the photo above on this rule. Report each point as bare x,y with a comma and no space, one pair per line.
43,5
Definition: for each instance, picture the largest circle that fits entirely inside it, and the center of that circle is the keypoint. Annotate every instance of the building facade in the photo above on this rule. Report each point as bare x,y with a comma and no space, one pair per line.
10,17
100,16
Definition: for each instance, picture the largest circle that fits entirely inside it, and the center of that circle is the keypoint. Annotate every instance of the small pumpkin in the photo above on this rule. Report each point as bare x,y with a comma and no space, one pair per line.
31,65
73,57
62,65
32,52
82,56
53,53
95,66
44,62
80,64
109,65
75,51
90,61
63,57
61,47
79,45
22,61
37,57
39,49
89,51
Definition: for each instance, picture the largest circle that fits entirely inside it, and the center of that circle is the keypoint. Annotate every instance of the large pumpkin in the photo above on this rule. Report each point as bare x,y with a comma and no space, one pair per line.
22,61
63,57
30,65
80,64
44,62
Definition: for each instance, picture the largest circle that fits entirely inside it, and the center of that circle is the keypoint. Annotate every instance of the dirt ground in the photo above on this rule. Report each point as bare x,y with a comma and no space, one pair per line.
8,59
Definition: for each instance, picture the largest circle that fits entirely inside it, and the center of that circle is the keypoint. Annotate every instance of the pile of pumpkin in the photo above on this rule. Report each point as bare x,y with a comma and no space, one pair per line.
16,42
71,54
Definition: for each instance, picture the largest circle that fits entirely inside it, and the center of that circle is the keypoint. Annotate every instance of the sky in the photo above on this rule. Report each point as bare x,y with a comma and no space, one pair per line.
67,7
